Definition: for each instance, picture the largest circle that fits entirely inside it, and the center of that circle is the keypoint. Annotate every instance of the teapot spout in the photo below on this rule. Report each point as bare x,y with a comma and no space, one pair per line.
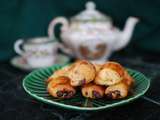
126,34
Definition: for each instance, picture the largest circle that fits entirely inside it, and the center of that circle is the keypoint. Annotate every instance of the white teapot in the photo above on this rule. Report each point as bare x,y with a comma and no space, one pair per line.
90,35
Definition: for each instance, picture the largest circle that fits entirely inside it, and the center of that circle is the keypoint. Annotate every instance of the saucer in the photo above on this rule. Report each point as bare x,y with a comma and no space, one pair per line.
21,63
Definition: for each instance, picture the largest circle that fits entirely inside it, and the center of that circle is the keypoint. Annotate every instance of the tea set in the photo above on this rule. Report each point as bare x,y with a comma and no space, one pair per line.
89,35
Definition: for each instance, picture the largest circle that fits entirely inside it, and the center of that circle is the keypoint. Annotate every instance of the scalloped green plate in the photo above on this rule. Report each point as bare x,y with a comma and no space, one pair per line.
34,84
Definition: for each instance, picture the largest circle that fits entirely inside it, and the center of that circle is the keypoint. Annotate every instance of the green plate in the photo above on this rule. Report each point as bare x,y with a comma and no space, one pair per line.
34,84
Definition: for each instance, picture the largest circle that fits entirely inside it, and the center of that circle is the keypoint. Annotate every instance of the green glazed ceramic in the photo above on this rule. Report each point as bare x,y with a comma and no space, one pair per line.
35,85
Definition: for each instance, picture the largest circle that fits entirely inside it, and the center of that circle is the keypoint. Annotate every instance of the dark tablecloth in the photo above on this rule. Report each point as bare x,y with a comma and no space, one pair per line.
15,104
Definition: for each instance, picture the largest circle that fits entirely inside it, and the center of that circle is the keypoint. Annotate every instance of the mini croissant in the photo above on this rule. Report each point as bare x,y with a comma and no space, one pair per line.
81,72
111,73
60,87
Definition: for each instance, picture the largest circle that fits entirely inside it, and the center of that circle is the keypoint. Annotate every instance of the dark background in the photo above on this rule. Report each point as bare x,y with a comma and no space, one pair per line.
30,18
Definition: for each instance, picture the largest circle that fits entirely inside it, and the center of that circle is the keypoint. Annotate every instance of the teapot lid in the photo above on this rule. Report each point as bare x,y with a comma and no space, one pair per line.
91,14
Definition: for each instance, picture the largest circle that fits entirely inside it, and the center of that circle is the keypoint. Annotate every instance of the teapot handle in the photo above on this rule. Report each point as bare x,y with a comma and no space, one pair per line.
54,22
65,25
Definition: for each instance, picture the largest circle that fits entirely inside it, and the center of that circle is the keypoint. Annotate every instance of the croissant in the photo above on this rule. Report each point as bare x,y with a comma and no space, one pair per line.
81,72
60,87
61,72
111,73
117,91
92,91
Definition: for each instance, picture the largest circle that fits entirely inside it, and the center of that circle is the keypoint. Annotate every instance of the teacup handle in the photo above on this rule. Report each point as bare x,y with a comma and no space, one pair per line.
17,47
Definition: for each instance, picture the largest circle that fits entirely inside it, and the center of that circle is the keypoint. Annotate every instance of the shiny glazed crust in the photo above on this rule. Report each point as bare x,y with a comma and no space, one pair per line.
93,91
61,72
59,80
115,66
81,72
60,88
111,73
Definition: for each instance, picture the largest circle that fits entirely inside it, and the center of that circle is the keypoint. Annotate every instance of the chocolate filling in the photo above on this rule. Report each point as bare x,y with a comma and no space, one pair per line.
113,94
70,94
96,94
65,94
82,82
109,95
59,93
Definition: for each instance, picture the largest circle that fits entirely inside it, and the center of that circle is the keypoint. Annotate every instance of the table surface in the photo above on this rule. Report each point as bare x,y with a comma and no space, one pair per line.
15,104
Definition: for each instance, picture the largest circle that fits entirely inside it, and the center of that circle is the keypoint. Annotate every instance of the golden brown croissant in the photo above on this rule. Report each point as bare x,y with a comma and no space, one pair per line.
111,73
93,91
61,72
60,87
117,91
81,72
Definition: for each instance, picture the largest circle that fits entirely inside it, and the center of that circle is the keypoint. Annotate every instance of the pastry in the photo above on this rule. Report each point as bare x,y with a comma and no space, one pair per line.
93,91
81,72
61,72
111,73
110,80
117,91
60,87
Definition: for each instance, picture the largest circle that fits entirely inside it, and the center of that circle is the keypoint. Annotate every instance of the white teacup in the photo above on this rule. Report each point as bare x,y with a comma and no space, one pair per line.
39,52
